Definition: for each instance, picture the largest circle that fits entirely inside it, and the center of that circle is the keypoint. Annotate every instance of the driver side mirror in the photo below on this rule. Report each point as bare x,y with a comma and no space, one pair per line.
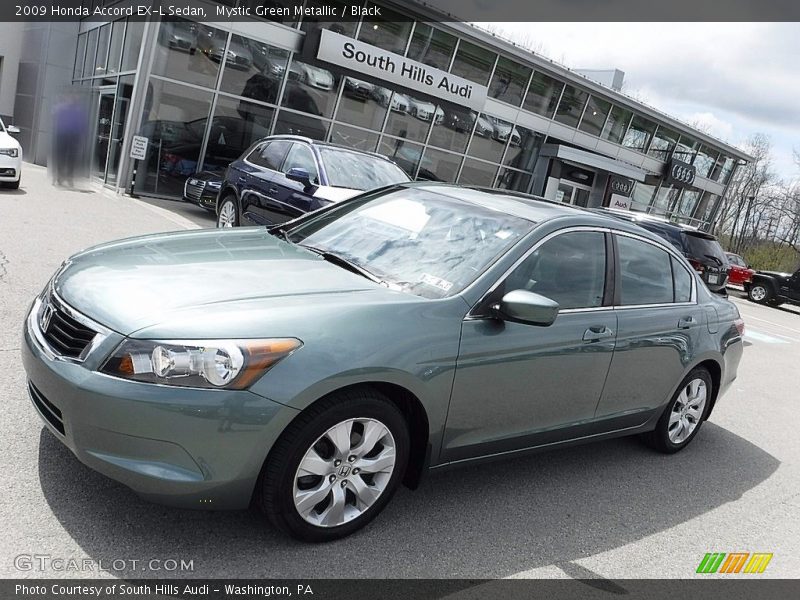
526,307
300,175
12,129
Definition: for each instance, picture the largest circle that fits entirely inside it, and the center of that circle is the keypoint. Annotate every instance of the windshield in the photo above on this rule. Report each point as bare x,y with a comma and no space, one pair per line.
359,171
414,240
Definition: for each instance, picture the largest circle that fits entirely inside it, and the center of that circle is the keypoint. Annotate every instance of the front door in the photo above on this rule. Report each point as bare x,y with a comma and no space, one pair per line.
571,193
519,385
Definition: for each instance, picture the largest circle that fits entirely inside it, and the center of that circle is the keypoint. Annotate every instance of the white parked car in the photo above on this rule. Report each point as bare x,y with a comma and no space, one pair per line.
10,157
425,111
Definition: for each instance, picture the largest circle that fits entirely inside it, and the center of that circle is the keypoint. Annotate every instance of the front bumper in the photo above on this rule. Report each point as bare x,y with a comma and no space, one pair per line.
186,447
10,168
200,193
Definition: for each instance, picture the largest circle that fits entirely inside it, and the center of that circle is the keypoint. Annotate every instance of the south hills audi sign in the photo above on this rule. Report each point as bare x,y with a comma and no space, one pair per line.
680,174
393,68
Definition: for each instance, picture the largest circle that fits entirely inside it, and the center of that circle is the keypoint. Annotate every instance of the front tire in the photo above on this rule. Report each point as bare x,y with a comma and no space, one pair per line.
336,466
228,214
759,293
684,415
13,185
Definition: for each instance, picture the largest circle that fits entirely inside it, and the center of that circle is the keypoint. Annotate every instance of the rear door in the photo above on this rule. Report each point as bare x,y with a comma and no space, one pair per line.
659,324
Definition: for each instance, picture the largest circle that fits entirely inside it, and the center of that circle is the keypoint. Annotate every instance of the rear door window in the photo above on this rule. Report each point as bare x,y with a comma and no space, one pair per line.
682,281
645,273
702,247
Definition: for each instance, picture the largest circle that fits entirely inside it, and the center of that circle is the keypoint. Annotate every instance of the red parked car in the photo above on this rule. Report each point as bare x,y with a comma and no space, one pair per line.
739,273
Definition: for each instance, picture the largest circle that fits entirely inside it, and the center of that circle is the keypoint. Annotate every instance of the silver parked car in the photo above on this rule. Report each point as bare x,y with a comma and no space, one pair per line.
315,366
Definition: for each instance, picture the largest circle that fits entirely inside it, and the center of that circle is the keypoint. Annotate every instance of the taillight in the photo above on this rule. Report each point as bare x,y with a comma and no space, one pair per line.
739,323
696,264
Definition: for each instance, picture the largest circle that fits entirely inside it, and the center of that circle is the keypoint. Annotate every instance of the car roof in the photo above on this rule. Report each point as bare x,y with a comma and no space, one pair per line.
652,221
313,142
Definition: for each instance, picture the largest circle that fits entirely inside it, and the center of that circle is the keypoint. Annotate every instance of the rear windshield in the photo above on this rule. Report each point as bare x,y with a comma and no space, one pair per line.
701,246
359,171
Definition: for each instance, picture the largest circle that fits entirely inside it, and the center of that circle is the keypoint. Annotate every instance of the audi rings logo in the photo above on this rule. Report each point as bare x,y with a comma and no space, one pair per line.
682,173
623,187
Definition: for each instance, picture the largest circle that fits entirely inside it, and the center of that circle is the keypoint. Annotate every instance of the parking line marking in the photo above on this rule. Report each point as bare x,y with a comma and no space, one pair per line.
749,334
773,323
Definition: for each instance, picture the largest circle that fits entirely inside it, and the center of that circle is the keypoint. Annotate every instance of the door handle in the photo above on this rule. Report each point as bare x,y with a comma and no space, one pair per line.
596,333
242,178
273,190
686,322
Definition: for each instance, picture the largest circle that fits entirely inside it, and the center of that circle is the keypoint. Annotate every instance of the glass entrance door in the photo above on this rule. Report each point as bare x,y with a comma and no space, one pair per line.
102,140
570,193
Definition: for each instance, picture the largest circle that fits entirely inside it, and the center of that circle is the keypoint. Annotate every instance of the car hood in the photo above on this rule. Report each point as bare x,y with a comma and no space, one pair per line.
775,274
6,141
203,275
208,176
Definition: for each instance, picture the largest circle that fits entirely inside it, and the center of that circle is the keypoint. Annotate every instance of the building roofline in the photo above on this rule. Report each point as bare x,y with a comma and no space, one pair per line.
552,67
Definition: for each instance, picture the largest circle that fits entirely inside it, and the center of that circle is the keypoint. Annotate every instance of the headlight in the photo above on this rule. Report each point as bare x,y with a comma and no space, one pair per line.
233,364
12,152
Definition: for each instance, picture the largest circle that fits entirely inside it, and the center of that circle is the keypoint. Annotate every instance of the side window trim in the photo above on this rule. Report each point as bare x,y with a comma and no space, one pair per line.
670,250
476,311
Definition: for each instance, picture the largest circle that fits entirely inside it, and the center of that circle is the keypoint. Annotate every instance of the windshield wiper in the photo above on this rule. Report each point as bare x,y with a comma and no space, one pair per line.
345,263
716,259
279,231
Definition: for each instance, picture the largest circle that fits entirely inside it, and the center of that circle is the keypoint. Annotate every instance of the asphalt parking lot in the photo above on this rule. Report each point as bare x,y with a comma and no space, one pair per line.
611,510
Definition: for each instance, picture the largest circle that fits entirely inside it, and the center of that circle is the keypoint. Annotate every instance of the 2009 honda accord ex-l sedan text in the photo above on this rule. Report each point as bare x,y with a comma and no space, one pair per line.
312,368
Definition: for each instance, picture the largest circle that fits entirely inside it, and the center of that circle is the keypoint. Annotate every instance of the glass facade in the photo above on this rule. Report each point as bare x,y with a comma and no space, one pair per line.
211,93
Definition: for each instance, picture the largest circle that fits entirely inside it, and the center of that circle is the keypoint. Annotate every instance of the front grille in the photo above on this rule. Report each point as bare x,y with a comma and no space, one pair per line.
65,335
195,190
47,409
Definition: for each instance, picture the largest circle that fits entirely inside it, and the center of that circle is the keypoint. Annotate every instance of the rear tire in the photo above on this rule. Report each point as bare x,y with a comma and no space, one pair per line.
335,467
684,415
759,293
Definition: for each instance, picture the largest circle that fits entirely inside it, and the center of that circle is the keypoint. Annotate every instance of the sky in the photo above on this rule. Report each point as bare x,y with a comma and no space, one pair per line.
735,78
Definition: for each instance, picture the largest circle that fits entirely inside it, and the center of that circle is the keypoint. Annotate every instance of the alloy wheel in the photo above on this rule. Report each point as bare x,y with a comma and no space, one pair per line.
344,472
758,293
687,411
227,215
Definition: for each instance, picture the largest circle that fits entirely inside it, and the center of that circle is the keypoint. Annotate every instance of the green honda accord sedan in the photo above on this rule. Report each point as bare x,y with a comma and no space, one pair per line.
311,368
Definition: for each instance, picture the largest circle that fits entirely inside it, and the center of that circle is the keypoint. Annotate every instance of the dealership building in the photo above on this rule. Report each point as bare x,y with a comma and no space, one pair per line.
447,101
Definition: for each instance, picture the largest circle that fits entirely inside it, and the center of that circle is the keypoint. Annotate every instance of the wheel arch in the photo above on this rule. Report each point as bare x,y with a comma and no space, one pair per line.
714,369
226,191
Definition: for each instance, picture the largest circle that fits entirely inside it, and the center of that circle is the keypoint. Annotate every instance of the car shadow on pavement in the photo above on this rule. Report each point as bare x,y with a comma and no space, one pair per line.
488,520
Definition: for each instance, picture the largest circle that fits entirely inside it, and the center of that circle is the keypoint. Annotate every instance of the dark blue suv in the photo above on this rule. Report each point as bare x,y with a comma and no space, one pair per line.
284,176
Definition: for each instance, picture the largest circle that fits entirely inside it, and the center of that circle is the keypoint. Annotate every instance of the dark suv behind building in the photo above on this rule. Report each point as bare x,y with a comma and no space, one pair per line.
701,249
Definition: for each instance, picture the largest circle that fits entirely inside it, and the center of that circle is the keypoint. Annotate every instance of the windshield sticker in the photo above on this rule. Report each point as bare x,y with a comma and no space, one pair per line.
436,282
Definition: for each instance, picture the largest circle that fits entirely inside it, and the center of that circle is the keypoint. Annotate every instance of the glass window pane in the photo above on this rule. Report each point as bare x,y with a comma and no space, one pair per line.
354,138
405,154
390,31
174,121
687,204
360,104
310,89
682,280
641,196
400,122
510,179
103,39
190,52
705,209
299,124
473,62
80,55
431,46
523,155
664,198
439,166
115,48
686,149
121,105
543,95
509,81
723,169
570,269
476,172
236,125
447,130
133,42
571,106
594,117
491,145
617,124
705,160
91,53
645,273
342,27
639,134
663,143
254,70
